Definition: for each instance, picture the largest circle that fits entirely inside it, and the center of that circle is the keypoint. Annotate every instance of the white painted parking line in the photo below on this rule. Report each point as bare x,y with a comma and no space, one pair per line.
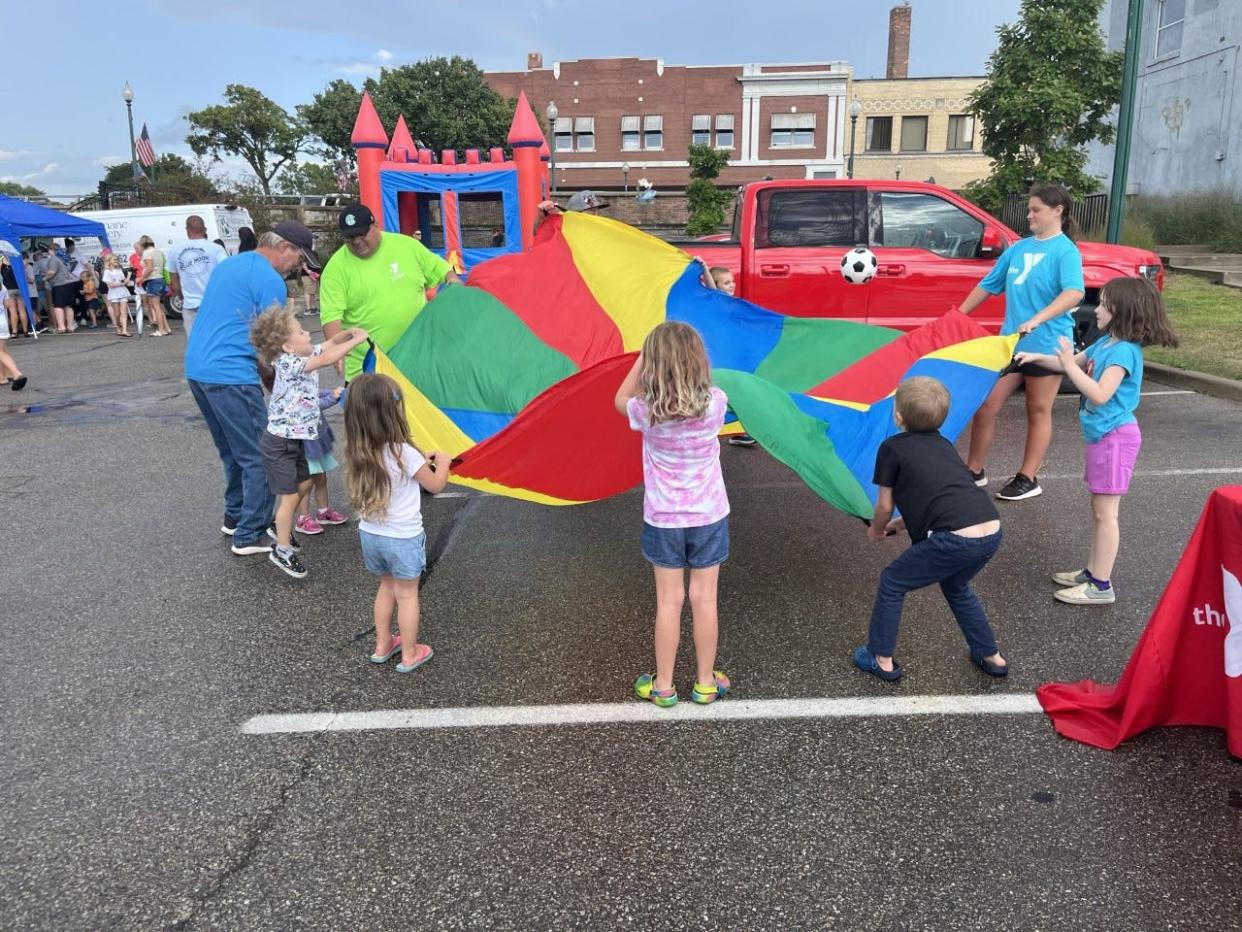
728,710
1169,391
1156,473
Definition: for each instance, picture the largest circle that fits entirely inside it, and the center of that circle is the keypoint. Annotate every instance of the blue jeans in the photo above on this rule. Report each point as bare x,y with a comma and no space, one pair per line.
237,418
943,558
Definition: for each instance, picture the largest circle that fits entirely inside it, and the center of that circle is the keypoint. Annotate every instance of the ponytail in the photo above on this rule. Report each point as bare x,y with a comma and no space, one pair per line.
1055,195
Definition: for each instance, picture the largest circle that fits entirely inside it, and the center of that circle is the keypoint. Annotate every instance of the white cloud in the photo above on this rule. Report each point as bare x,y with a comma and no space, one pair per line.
107,161
383,55
7,155
359,69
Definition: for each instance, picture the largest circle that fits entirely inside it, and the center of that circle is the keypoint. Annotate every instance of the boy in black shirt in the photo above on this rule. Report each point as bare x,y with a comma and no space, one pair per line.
954,530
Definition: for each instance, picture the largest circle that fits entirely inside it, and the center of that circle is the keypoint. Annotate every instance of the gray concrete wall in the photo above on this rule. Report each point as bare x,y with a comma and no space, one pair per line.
1188,127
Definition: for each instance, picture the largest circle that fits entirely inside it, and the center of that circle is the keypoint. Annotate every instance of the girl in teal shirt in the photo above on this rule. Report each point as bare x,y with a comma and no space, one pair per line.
1041,278
1109,374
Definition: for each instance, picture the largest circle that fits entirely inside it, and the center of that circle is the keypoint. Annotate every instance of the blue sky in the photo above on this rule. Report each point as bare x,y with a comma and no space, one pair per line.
66,118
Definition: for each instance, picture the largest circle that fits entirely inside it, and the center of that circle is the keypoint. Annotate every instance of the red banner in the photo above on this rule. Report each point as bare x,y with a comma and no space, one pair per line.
1187,667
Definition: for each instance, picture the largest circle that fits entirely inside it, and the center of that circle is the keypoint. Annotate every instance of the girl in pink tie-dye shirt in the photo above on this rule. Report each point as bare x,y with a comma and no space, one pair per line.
668,396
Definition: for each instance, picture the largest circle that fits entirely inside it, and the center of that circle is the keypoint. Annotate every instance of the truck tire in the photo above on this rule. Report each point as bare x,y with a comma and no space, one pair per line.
172,306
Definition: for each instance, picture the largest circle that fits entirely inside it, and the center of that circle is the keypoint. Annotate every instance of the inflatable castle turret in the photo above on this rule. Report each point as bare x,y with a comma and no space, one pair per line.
412,192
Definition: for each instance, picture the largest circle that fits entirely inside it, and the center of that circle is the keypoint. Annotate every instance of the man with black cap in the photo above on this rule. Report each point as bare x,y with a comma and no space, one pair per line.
223,371
378,282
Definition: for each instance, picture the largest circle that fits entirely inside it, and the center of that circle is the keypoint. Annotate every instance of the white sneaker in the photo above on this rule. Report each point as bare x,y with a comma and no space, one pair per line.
1086,594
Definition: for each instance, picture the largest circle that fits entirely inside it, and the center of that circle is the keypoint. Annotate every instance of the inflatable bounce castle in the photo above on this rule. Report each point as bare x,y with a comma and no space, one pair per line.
412,192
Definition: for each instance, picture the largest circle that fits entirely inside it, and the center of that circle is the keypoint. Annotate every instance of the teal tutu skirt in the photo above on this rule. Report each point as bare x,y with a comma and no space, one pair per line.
325,463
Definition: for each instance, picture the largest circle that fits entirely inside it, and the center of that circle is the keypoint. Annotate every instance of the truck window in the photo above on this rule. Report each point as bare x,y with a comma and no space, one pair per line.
815,217
924,221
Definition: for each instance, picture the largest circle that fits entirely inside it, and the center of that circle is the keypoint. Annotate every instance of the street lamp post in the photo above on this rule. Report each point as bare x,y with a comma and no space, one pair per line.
127,95
552,112
855,110
625,177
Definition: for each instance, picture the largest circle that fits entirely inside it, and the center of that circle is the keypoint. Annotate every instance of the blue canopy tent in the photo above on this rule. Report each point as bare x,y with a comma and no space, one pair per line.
20,218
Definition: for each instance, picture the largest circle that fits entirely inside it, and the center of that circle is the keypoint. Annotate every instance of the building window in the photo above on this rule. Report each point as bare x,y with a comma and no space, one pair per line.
961,132
564,132
793,130
879,134
724,131
584,134
653,132
701,129
914,134
630,139
1169,27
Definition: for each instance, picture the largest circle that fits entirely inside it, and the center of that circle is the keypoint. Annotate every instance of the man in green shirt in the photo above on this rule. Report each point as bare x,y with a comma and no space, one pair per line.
378,282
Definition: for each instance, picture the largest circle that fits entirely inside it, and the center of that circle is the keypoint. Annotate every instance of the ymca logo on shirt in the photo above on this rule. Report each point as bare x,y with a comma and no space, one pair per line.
1029,261
395,269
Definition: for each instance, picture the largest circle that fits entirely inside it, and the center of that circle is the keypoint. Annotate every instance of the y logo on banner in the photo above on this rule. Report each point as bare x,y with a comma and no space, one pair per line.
1233,609
1029,261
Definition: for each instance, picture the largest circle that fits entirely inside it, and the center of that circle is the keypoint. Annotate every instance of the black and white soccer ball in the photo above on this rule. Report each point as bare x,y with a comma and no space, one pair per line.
858,265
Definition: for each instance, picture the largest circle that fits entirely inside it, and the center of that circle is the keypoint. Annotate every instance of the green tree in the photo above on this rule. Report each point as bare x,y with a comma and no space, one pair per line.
446,102
706,201
1050,89
250,126
312,178
13,189
172,180
330,117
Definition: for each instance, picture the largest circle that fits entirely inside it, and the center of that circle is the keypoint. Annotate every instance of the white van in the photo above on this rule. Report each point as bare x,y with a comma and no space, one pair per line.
165,225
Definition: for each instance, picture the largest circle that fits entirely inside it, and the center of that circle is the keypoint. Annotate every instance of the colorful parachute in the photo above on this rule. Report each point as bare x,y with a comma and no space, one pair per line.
515,373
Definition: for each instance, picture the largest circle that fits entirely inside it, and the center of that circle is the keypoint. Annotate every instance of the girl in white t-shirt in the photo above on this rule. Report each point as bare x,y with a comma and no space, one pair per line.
117,296
669,398
384,475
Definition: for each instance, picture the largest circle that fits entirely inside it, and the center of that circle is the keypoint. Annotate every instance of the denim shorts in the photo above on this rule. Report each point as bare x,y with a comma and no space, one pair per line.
680,547
155,287
398,557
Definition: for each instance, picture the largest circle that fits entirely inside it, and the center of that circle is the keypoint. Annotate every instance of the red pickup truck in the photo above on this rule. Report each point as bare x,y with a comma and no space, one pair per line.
933,247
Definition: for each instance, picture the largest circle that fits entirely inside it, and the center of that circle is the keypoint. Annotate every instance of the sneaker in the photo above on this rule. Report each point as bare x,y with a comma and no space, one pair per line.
742,440
290,564
245,550
293,541
308,525
1086,594
1070,579
229,527
980,477
1020,487
330,516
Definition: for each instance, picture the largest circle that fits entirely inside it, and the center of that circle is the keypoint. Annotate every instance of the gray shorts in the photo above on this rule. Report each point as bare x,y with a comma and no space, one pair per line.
284,461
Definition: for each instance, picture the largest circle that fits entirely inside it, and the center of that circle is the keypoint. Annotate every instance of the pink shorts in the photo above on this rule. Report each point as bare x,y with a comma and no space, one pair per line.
1111,459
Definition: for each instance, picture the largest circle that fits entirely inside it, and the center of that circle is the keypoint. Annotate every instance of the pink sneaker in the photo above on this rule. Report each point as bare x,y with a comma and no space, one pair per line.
308,525
331,516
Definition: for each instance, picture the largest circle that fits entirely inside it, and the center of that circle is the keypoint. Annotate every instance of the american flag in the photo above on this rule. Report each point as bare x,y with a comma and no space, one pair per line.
146,153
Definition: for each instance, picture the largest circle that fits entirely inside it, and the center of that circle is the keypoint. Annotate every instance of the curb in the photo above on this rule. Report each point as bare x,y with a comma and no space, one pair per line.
1214,385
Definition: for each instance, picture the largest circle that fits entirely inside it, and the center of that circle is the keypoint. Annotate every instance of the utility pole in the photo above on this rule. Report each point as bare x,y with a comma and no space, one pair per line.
1125,123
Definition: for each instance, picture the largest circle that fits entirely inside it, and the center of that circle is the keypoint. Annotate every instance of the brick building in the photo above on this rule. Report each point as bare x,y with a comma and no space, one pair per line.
778,120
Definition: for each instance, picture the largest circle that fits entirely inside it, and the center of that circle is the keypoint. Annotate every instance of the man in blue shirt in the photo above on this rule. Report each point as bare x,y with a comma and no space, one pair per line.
223,371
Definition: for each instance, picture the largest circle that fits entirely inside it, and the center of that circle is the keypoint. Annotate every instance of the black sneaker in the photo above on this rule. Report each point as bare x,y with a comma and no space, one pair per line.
980,477
1020,487
293,541
290,564
229,527
246,550
742,440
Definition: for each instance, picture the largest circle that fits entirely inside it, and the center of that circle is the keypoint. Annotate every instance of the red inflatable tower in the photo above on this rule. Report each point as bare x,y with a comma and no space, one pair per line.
526,137
370,142
402,149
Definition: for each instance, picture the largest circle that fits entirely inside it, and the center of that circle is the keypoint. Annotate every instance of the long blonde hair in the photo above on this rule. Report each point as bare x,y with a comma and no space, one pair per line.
676,378
374,422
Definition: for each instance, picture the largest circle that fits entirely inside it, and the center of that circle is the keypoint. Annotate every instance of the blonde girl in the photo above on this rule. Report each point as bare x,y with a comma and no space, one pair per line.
384,476
117,295
669,398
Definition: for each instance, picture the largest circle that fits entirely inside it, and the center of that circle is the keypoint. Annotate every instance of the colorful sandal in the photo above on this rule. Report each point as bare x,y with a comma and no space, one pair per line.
703,693
644,688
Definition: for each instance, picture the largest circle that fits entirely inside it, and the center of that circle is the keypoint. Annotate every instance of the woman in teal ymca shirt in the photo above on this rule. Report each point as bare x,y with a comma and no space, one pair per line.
1041,278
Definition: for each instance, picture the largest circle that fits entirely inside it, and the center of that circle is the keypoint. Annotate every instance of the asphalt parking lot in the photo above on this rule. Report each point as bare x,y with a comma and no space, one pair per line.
137,649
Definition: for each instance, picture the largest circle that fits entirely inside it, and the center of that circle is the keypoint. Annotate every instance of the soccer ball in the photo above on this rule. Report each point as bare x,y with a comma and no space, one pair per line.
858,265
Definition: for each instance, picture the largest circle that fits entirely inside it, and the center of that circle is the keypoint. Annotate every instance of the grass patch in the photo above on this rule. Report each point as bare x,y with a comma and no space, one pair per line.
1208,321
1212,219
